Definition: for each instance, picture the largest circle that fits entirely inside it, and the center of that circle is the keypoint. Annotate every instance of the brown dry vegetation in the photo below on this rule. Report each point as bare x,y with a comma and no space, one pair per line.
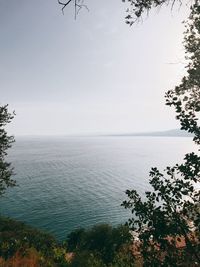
31,259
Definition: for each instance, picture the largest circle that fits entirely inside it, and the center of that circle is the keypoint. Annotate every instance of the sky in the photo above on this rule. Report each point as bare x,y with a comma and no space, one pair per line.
92,75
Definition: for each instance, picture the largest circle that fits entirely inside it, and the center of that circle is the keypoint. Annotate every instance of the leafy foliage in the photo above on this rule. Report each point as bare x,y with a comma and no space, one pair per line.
19,240
5,142
86,259
170,213
100,246
136,8
101,241
124,258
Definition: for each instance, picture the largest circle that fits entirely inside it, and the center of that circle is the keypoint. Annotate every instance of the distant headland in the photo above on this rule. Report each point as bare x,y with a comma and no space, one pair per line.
168,133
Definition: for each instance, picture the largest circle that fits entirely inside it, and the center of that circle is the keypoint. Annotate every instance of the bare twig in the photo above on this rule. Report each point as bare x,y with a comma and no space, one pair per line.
78,5
64,4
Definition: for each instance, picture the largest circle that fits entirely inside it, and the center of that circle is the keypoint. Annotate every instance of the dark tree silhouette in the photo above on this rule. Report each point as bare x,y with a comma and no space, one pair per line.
6,141
170,213
136,8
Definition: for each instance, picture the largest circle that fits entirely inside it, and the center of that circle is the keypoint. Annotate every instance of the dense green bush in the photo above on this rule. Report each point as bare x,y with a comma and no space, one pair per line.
103,241
86,259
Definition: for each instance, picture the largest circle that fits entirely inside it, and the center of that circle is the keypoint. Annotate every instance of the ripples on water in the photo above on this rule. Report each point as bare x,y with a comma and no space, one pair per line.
65,183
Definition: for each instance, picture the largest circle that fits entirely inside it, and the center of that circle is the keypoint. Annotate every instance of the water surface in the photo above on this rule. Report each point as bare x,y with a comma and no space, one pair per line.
65,183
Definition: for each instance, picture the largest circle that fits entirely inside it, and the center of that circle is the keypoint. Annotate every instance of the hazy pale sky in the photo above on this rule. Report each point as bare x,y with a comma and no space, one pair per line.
92,75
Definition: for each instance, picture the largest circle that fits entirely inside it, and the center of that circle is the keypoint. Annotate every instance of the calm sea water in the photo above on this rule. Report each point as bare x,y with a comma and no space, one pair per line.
65,183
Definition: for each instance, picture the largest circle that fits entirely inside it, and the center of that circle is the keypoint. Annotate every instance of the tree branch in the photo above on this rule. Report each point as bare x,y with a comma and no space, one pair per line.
64,4
78,5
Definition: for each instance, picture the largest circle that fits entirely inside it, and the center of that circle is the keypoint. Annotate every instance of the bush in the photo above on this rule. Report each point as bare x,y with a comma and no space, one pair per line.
102,240
87,259
22,242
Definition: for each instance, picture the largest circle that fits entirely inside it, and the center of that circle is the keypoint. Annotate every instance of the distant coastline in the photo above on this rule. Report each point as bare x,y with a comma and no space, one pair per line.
168,133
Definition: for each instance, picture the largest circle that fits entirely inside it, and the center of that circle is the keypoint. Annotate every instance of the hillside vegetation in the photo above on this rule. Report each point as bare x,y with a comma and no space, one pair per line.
100,246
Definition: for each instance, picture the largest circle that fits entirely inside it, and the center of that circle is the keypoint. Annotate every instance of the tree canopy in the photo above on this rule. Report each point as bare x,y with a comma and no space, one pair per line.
6,171
170,214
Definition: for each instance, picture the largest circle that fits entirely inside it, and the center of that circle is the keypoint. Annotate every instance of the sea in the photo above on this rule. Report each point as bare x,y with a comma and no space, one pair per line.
64,183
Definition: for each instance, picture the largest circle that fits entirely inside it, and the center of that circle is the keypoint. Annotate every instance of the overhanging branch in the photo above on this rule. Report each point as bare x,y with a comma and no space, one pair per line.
78,5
